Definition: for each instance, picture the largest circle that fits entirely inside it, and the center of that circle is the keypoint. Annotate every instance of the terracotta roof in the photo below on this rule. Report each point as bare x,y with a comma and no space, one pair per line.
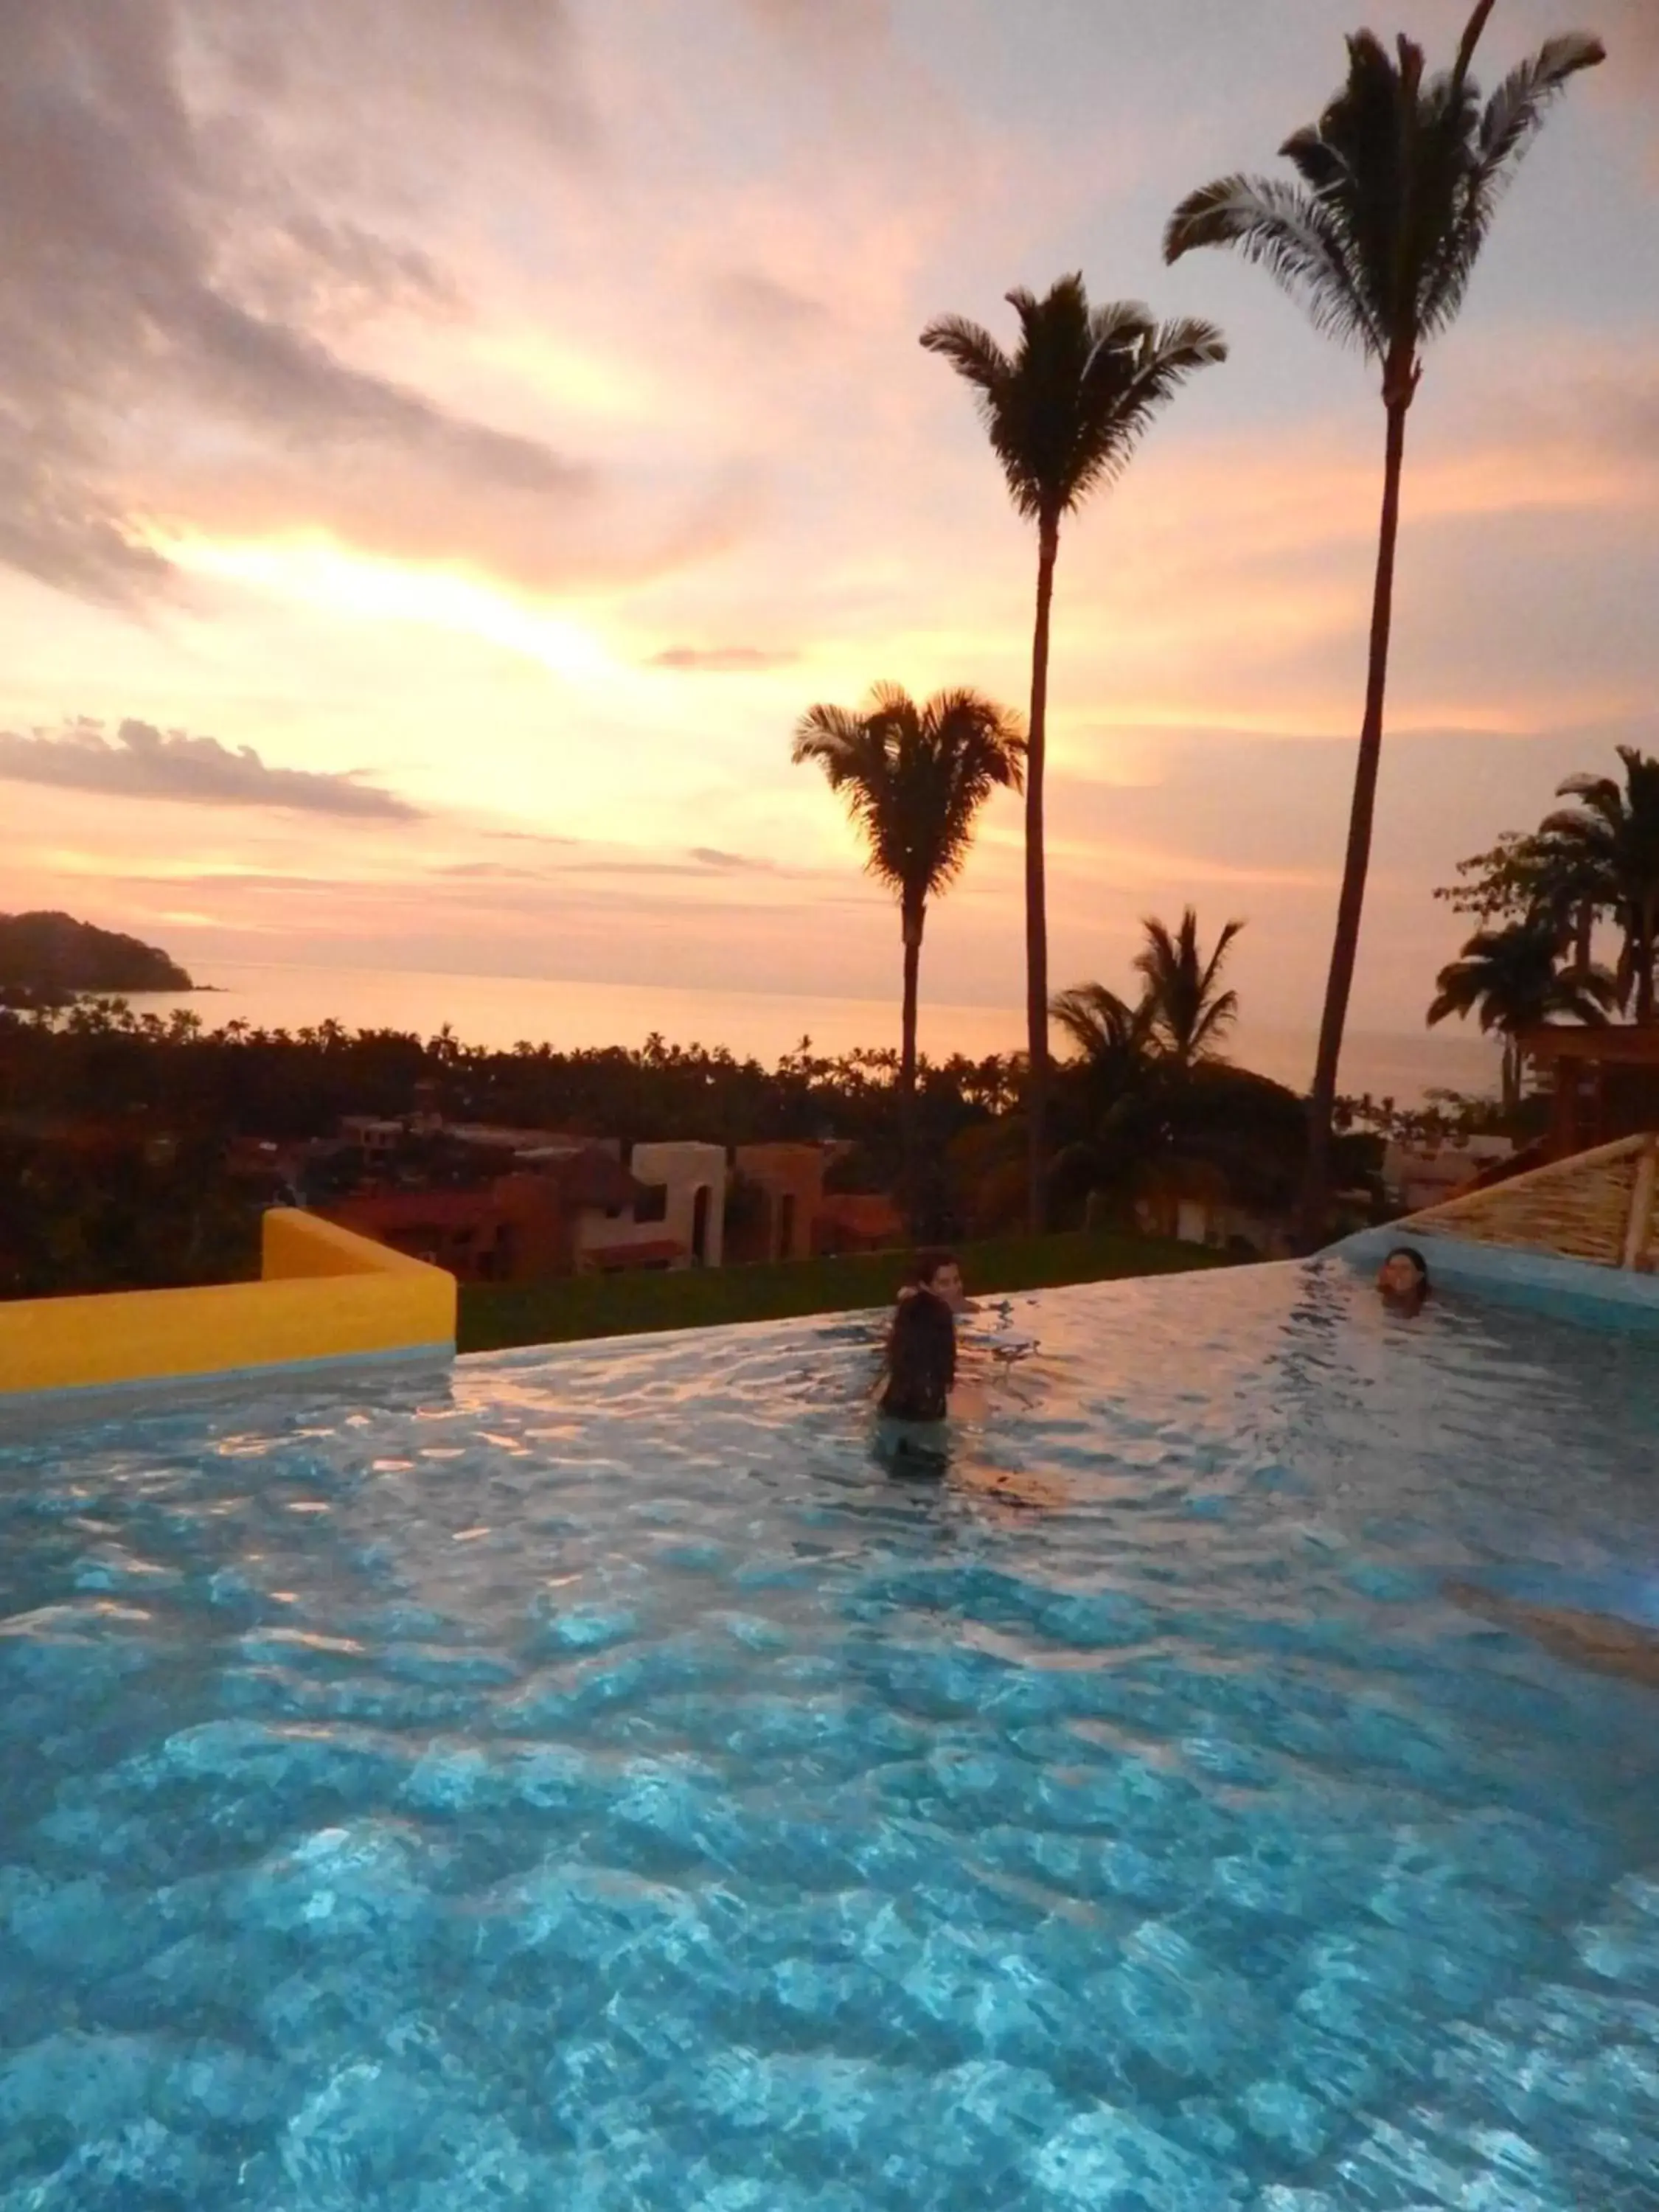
1617,1042
865,1213
414,1209
591,1178
498,1137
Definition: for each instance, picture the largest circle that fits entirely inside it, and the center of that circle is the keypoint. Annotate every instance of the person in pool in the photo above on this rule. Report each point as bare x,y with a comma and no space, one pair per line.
921,1344
1596,1641
1403,1280
918,1377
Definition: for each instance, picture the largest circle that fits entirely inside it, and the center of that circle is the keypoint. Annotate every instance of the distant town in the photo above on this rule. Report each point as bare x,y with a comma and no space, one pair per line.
142,1150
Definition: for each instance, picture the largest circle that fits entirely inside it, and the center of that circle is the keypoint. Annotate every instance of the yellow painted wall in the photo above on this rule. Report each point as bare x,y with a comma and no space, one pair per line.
326,1294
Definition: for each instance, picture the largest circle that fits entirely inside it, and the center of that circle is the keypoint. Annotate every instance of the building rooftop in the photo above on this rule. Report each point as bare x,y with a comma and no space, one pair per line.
1609,1042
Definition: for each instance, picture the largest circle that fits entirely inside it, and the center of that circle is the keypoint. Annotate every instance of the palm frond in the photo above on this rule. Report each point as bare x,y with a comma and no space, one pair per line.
1224,944
1067,409
1600,804
1187,1014
1484,162
1511,979
832,737
915,779
1099,1022
1397,185
971,351
1219,1015
1124,391
1316,161
1119,323
1517,110
1294,235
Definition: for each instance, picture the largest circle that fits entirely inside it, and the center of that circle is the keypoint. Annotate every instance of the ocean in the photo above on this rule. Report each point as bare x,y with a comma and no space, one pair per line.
499,1011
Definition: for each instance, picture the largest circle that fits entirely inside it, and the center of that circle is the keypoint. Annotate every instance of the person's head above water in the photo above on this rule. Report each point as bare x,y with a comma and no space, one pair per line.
939,1273
1403,1278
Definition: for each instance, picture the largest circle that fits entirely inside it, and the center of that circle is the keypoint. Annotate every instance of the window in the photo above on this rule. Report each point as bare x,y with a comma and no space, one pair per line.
652,1204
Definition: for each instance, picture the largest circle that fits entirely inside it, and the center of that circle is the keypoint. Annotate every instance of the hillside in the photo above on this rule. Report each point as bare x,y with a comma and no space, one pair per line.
44,957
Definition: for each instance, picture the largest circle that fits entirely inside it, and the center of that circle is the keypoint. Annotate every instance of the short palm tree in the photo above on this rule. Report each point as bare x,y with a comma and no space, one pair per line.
1065,412
1114,1084
1113,1041
1397,185
1609,844
1106,1031
914,779
1190,1013
1511,979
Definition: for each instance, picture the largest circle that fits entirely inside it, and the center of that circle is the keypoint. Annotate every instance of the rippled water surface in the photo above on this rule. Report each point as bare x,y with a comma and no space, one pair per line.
596,1784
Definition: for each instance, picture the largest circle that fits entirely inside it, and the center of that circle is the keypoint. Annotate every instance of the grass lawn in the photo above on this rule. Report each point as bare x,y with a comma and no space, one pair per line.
495,1317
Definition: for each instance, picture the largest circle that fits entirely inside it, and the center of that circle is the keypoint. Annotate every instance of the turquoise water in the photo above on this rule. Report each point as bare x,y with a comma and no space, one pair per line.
594,1784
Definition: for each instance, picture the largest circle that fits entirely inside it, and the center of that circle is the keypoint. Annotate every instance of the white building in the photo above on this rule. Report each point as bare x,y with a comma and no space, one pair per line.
1418,1177
683,1208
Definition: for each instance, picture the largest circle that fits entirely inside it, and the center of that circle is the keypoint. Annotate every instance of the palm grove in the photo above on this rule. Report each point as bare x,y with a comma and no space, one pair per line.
1540,896
1376,233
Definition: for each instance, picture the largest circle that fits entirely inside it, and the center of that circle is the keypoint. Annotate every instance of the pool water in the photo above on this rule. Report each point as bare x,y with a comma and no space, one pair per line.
593,1782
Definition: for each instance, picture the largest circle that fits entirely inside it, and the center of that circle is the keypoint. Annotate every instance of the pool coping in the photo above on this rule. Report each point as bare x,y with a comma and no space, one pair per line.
1513,1274
576,1347
26,1416
325,1295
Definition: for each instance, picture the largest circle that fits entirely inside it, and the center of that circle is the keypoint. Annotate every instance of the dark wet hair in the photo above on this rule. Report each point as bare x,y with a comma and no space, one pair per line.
1409,1252
927,1265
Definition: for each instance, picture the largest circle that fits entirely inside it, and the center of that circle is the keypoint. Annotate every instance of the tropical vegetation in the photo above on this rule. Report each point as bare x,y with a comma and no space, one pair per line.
1377,231
1190,1013
1608,850
1152,1111
1591,864
114,1125
1064,412
915,780
1395,189
494,1316
45,958
1512,980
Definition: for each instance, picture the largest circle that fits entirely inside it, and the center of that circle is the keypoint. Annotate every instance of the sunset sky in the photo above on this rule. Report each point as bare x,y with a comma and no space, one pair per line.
440,462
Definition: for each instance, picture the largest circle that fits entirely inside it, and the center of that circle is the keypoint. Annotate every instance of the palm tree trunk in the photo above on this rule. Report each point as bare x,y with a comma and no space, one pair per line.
1316,1190
1585,936
914,918
1511,1077
1037,898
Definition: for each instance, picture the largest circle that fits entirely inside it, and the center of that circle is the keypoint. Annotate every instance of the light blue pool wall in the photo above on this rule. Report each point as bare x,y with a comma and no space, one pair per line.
1574,1290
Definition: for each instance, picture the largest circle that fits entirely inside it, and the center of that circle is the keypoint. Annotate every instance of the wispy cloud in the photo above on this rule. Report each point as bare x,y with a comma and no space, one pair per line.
141,761
710,856
521,402
722,660
699,861
765,304
165,262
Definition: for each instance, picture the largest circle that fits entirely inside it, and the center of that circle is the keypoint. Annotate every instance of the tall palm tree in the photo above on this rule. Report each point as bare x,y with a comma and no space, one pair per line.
1511,979
1610,842
914,779
1190,1014
1397,186
1065,412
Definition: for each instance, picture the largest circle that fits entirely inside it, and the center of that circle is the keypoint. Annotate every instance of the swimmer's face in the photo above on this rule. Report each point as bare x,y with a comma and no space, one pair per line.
946,1284
1400,1280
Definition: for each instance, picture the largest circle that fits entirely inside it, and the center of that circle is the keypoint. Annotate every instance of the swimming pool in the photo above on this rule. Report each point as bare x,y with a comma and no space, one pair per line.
591,1782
